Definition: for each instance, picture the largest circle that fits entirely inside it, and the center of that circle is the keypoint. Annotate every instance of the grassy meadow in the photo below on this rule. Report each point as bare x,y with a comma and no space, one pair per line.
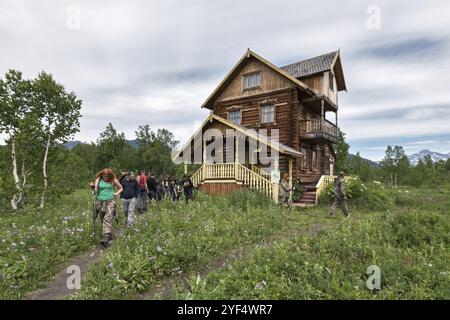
242,247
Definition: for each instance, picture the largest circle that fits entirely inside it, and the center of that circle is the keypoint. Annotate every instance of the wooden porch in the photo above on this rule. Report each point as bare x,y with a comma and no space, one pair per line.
235,173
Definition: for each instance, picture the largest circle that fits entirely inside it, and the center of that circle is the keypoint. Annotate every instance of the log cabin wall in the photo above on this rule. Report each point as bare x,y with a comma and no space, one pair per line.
251,112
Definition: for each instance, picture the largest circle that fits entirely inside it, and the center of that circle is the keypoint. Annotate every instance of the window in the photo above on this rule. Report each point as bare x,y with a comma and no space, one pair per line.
303,158
314,159
235,116
267,114
252,80
331,80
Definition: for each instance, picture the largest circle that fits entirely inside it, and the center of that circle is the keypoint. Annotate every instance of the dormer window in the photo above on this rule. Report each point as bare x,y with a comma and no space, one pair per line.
252,80
235,116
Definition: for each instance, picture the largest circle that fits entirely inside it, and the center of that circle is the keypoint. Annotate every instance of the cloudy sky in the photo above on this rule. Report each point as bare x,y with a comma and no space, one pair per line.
155,62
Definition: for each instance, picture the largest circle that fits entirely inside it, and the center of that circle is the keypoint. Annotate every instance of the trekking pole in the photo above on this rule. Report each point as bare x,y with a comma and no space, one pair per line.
94,217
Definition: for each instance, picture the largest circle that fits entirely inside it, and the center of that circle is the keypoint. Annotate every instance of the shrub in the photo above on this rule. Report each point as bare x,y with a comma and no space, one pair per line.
246,199
369,196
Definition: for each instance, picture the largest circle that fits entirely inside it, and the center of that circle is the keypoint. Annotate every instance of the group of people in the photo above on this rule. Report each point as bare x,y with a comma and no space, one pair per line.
135,192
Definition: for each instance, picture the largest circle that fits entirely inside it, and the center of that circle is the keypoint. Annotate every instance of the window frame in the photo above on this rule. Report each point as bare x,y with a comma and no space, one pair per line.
250,74
274,113
304,158
331,81
240,116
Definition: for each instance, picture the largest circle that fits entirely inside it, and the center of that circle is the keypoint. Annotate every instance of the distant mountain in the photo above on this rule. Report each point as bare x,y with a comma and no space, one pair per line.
72,144
435,156
372,164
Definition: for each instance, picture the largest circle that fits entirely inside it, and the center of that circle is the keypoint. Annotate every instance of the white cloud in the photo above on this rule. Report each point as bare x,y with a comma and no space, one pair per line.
156,61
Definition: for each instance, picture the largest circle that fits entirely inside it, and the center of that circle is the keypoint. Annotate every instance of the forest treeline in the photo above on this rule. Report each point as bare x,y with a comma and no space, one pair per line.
37,116
394,169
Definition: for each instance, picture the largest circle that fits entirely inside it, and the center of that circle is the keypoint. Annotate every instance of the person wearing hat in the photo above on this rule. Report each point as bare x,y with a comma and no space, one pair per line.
340,197
129,194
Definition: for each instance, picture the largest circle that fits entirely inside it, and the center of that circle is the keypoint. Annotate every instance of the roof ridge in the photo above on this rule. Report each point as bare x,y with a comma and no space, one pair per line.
315,57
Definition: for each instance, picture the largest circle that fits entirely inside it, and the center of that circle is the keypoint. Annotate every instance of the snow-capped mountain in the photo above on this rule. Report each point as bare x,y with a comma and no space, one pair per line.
435,156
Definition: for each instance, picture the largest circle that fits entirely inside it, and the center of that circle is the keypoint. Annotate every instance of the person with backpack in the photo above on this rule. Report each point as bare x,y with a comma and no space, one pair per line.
152,187
172,189
340,197
105,182
129,194
188,187
141,203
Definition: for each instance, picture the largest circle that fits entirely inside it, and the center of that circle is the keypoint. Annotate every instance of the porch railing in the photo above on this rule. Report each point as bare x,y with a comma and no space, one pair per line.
317,125
232,171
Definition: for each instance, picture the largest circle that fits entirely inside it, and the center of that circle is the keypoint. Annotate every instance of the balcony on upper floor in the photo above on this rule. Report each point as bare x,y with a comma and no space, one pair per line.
318,129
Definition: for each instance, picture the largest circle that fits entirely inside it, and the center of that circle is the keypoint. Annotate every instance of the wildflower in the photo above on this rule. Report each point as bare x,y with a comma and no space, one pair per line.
159,249
430,265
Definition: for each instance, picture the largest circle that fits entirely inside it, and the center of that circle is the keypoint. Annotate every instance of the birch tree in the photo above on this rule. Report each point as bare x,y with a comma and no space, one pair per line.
59,111
15,111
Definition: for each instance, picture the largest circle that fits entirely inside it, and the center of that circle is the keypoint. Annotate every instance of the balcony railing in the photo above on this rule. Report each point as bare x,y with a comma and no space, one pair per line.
317,128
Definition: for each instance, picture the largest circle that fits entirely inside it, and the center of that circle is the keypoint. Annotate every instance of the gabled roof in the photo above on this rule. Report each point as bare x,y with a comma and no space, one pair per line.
311,66
317,65
281,148
293,72
236,68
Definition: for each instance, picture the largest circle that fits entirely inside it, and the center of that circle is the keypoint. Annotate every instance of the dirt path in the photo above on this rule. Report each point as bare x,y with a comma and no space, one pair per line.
57,288
165,288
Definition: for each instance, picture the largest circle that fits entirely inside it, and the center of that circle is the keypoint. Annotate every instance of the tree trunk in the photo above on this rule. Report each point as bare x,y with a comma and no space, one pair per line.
18,195
44,172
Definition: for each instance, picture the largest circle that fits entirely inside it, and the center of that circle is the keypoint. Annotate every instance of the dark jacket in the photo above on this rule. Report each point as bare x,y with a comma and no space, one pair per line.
131,189
151,184
187,184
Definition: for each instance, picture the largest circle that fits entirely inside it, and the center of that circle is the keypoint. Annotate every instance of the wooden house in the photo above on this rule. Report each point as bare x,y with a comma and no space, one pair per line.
295,100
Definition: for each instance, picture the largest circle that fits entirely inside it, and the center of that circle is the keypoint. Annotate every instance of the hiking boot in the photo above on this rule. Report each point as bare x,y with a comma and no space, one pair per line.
106,239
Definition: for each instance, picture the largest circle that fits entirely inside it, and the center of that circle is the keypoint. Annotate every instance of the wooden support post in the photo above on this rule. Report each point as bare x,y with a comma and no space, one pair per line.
290,172
336,119
322,114
290,177
275,185
204,160
236,158
185,167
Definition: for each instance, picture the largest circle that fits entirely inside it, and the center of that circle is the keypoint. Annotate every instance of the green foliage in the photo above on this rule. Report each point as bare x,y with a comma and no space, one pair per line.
371,196
298,191
410,247
178,238
341,148
246,200
35,242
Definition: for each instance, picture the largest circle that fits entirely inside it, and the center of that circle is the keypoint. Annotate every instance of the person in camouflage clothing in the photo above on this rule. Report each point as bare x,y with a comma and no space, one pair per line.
340,198
284,195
